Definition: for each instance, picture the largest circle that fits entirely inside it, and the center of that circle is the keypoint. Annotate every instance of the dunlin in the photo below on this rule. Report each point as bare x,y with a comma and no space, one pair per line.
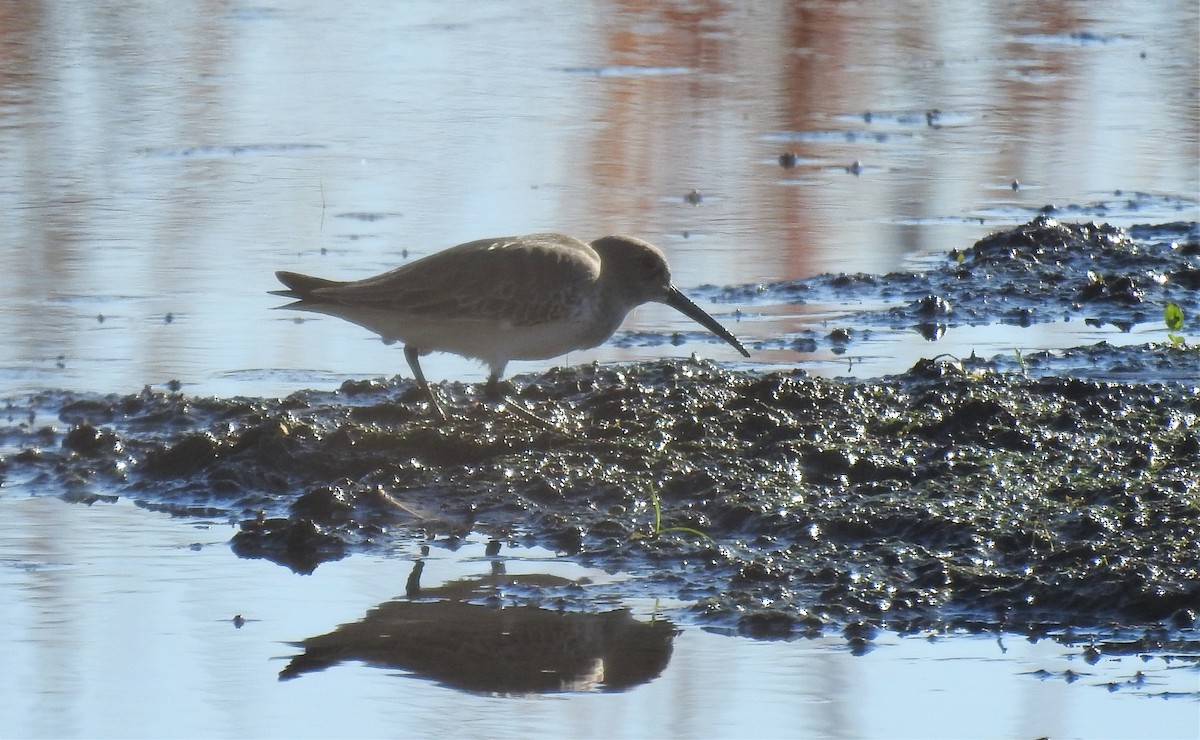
528,297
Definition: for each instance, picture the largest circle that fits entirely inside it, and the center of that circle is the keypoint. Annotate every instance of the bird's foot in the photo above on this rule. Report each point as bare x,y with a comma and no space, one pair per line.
497,390
435,406
528,416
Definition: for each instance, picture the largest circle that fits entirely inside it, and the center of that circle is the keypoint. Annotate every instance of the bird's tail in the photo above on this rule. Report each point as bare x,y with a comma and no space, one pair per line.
300,286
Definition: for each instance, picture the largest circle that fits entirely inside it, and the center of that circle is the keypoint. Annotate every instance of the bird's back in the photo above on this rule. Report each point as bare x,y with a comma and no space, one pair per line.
523,280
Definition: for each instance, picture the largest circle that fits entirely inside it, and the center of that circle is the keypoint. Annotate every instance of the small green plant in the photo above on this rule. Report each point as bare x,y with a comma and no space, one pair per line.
1173,316
659,529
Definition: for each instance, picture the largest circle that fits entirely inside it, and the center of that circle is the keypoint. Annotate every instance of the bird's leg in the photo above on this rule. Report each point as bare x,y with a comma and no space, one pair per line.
412,354
412,588
492,389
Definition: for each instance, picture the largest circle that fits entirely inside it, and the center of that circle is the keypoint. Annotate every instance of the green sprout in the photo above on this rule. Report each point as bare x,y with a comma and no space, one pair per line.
659,529
1173,316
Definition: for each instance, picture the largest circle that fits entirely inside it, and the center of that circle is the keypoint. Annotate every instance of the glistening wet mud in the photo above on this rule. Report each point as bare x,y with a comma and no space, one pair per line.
1044,271
985,494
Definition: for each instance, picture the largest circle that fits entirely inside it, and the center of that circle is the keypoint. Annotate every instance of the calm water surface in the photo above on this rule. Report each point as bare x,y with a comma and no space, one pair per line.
118,623
158,161
161,161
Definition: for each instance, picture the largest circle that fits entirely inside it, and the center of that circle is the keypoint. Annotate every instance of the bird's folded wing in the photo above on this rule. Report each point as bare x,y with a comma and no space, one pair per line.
524,282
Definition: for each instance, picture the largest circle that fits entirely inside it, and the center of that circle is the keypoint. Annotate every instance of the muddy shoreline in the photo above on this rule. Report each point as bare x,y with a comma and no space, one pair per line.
1030,494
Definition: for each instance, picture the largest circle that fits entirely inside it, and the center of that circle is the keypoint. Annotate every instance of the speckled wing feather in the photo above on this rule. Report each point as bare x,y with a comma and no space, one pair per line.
487,279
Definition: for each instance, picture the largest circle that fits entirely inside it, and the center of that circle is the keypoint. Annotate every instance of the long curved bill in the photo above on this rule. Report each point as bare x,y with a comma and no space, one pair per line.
684,305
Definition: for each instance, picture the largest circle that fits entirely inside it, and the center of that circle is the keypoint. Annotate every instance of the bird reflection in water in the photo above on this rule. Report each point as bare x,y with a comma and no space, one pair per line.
447,635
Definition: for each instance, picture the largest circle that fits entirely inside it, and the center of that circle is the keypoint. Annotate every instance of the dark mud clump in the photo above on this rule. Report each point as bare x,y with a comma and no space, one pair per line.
942,496
1044,271
981,494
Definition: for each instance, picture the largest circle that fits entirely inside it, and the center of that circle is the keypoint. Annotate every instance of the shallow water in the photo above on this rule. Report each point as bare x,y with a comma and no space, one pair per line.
133,634
162,160
161,163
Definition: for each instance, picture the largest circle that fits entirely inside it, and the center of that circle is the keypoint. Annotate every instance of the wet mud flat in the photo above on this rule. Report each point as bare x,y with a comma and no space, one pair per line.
1046,494
1042,272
